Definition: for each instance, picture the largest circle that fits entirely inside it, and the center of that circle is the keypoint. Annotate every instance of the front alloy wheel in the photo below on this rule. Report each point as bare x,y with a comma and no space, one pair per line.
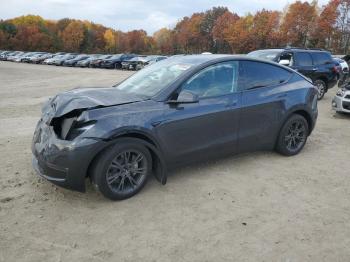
121,170
127,171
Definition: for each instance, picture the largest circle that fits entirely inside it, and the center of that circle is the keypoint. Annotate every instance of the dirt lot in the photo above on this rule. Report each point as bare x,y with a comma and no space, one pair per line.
255,207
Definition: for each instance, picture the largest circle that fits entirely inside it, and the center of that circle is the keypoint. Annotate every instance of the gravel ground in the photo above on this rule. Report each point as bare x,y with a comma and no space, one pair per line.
253,207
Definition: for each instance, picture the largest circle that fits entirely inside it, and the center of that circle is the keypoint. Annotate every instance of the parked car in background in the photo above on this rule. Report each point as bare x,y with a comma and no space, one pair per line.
28,56
86,62
130,64
115,61
76,59
50,60
59,60
37,59
149,60
5,54
343,69
341,101
16,57
171,113
317,65
139,62
11,57
97,62
19,58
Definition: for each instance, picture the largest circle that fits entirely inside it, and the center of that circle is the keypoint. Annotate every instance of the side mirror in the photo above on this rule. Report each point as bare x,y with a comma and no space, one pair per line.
185,97
284,62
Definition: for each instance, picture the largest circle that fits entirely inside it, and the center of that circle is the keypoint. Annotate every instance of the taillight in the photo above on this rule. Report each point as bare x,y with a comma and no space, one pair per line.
335,69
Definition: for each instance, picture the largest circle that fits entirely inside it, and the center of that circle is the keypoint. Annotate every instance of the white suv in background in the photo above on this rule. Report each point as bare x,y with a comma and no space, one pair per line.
341,101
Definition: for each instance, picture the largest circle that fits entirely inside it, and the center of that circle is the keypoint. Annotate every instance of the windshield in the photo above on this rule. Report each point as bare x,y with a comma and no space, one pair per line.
150,80
265,54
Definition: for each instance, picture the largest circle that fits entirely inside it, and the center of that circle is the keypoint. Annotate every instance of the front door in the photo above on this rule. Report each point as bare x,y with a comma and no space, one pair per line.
209,127
303,64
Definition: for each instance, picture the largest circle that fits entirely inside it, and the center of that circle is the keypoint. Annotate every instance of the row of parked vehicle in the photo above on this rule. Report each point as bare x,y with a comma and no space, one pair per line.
117,61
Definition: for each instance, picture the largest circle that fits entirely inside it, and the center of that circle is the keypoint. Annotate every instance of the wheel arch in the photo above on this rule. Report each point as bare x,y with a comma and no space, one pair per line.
158,163
306,115
300,111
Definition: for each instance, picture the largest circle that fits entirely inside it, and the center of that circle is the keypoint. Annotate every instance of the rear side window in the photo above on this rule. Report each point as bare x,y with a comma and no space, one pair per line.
321,58
258,74
303,59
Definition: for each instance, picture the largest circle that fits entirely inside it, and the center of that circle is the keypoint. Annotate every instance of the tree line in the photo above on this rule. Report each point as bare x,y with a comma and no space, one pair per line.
218,30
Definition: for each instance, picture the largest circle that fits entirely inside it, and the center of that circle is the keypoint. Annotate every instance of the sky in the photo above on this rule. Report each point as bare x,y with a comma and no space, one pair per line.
126,15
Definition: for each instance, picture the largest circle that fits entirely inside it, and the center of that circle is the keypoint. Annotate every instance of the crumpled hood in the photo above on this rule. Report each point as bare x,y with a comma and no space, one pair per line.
85,98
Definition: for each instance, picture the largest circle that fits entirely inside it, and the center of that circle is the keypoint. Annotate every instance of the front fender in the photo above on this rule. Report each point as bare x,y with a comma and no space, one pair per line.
145,138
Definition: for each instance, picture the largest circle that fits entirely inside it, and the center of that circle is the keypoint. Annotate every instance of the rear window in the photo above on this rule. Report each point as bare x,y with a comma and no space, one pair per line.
303,59
257,74
321,58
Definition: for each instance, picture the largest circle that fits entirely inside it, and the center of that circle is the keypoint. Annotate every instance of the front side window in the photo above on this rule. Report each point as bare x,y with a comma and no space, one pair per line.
303,59
216,80
255,74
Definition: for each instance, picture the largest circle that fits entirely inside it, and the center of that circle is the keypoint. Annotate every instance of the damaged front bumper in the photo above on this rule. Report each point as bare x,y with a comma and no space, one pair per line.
64,163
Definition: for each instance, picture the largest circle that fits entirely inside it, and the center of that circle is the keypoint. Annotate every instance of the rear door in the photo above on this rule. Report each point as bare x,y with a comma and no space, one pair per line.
303,63
209,127
325,65
264,95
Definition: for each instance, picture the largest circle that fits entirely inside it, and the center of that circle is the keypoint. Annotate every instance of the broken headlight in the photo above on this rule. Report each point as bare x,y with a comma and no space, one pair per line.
71,125
78,128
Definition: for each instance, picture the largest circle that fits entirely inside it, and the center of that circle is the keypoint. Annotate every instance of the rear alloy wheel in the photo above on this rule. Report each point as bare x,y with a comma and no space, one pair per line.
122,170
322,88
293,136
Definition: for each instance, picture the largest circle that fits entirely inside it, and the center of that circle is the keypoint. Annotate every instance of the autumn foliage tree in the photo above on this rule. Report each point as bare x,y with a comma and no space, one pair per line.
221,32
298,22
73,36
217,30
325,32
164,40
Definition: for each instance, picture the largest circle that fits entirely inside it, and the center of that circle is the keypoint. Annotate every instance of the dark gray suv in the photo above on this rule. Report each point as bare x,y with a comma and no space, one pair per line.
178,111
316,64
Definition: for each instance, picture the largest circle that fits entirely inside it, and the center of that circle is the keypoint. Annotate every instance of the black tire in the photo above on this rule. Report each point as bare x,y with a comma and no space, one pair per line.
293,136
322,88
116,178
